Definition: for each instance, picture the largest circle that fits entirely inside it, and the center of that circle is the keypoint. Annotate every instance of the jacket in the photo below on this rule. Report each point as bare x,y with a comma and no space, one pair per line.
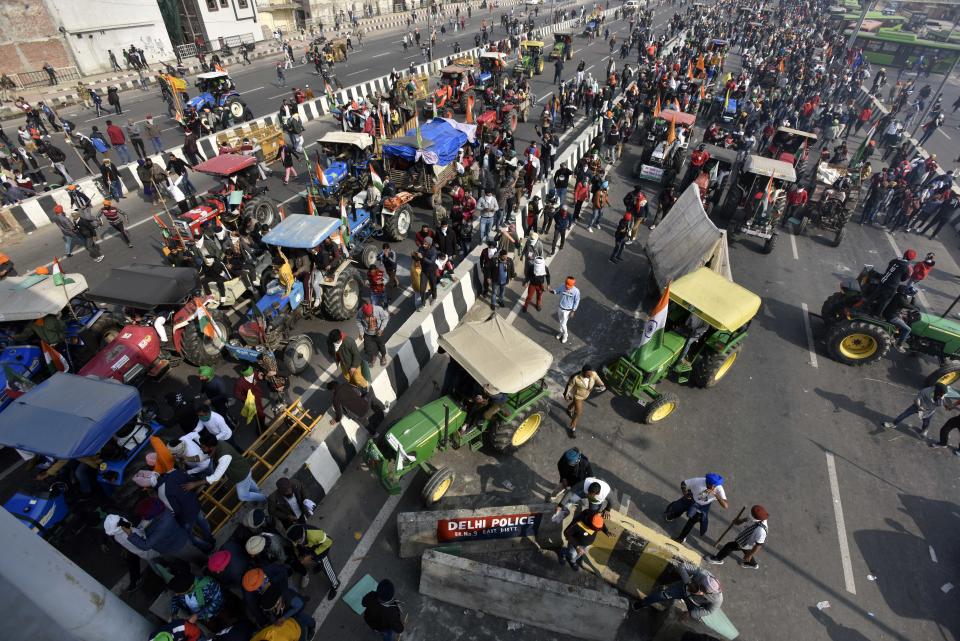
109,173
278,507
163,535
184,504
206,593
115,134
382,616
576,473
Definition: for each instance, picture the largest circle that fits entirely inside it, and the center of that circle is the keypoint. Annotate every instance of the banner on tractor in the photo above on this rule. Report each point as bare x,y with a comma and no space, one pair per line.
488,527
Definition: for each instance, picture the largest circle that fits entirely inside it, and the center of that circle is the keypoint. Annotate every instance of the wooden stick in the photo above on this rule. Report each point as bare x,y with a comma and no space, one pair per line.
731,525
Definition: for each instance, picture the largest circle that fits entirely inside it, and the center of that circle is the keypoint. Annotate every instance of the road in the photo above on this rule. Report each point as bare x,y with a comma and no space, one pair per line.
861,518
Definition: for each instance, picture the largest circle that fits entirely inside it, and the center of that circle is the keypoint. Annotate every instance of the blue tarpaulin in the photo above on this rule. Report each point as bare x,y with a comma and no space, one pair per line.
442,139
68,416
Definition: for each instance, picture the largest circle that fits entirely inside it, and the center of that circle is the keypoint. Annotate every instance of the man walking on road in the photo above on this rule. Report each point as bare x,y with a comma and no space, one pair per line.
118,141
698,494
111,179
116,218
749,540
88,231
152,129
578,389
557,70
68,229
372,321
567,307
383,613
926,404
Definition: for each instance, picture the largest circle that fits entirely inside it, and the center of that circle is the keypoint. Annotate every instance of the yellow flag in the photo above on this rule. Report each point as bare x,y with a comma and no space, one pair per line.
656,108
672,132
700,63
249,411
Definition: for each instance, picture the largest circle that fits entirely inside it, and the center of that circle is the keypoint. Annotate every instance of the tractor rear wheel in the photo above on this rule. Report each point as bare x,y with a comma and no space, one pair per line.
368,255
708,371
838,237
437,486
297,353
262,209
832,310
509,436
200,349
660,409
395,227
340,300
858,342
948,375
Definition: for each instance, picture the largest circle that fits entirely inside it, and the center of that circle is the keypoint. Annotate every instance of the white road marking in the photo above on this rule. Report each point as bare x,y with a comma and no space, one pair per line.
933,555
944,134
841,526
793,246
806,327
589,68
359,553
353,73
251,90
385,53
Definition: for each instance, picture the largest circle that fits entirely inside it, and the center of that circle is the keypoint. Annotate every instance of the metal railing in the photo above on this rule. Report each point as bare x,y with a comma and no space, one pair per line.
189,50
28,79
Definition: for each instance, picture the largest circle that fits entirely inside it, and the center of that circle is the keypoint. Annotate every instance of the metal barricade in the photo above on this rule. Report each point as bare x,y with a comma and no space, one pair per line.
28,79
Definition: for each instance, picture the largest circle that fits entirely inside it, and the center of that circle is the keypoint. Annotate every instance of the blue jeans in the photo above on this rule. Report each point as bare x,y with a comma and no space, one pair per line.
562,194
904,329
188,188
116,189
597,215
671,592
618,245
157,144
205,542
496,292
123,153
247,490
910,411
486,224
388,635
68,244
379,299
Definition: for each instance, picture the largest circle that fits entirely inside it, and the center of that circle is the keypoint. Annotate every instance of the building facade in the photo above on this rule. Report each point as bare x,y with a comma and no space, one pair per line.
286,14
211,20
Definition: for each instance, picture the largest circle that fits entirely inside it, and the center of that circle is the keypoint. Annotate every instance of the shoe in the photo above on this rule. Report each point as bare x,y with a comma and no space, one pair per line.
612,259
575,566
922,432
936,445
98,259
70,255
560,557
636,606
571,433
332,594
129,244
539,308
563,340
714,560
668,518
956,451
559,337
749,565
901,349
629,242
304,582
523,309
680,540
383,360
888,425
590,229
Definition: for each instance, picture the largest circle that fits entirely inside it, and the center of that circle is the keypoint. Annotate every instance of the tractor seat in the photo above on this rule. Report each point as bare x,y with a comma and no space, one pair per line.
671,346
249,332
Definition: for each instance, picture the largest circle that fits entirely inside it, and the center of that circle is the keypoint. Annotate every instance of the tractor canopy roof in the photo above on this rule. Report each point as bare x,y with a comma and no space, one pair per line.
496,355
213,75
532,43
797,132
762,166
25,298
361,140
68,416
493,54
302,231
723,154
145,286
451,70
225,164
724,304
562,36
679,117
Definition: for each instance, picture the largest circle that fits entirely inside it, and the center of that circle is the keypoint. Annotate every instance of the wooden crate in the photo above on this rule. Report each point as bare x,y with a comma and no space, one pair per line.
267,137
219,501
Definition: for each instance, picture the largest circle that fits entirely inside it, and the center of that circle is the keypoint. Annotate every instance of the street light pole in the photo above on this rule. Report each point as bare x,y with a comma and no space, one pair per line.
856,30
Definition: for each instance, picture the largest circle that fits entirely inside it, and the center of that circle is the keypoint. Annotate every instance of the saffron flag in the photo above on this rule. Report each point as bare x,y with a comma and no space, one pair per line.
652,337
58,278
656,108
726,101
672,131
322,177
689,70
54,359
701,65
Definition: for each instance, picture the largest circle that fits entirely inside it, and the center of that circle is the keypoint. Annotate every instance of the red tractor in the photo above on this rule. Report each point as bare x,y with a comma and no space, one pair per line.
241,192
164,319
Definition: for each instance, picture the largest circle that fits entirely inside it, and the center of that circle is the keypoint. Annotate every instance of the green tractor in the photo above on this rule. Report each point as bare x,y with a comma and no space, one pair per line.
494,393
530,60
562,46
857,336
706,325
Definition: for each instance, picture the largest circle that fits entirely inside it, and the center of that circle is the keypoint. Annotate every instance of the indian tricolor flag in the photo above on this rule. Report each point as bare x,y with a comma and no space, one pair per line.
375,178
58,278
54,359
652,337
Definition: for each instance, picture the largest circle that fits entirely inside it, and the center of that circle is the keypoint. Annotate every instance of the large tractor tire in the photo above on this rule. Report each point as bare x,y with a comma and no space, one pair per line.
104,330
708,370
297,353
340,301
199,349
948,375
858,342
509,436
658,410
368,255
838,237
437,486
396,226
263,210
832,310
770,244
236,108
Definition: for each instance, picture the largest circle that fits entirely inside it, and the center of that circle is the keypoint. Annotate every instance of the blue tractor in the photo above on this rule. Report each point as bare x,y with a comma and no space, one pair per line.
217,91
344,157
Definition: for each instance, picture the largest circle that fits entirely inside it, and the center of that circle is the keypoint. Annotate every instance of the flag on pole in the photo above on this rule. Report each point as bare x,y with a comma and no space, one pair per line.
676,104
672,131
656,108
208,326
781,66
249,410
322,177
58,278
416,122
703,90
858,154
726,101
310,208
701,65
652,337
714,172
690,70
383,126
767,191
344,225
54,359
375,178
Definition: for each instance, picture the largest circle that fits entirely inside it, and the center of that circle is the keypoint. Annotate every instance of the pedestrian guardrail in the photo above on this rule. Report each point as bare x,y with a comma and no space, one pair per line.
28,79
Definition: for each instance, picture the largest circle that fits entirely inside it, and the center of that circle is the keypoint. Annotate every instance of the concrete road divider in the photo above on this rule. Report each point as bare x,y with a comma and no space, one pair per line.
551,605
490,529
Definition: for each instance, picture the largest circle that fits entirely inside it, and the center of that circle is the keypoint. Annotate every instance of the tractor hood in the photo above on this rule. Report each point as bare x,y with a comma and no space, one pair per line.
423,424
201,100
496,355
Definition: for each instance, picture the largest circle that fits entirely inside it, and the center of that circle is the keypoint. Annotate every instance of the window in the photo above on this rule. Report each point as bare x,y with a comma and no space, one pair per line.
212,5
225,4
242,4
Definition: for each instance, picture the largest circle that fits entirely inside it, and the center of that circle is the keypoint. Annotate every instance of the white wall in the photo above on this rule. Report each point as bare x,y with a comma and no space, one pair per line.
230,20
94,26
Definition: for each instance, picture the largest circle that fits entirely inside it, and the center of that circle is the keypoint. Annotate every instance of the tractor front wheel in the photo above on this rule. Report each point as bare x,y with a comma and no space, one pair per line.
200,349
838,237
297,353
262,209
708,371
437,486
395,227
368,255
340,300
832,310
770,244
509,436
236,109
659,409
858,342
948,375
